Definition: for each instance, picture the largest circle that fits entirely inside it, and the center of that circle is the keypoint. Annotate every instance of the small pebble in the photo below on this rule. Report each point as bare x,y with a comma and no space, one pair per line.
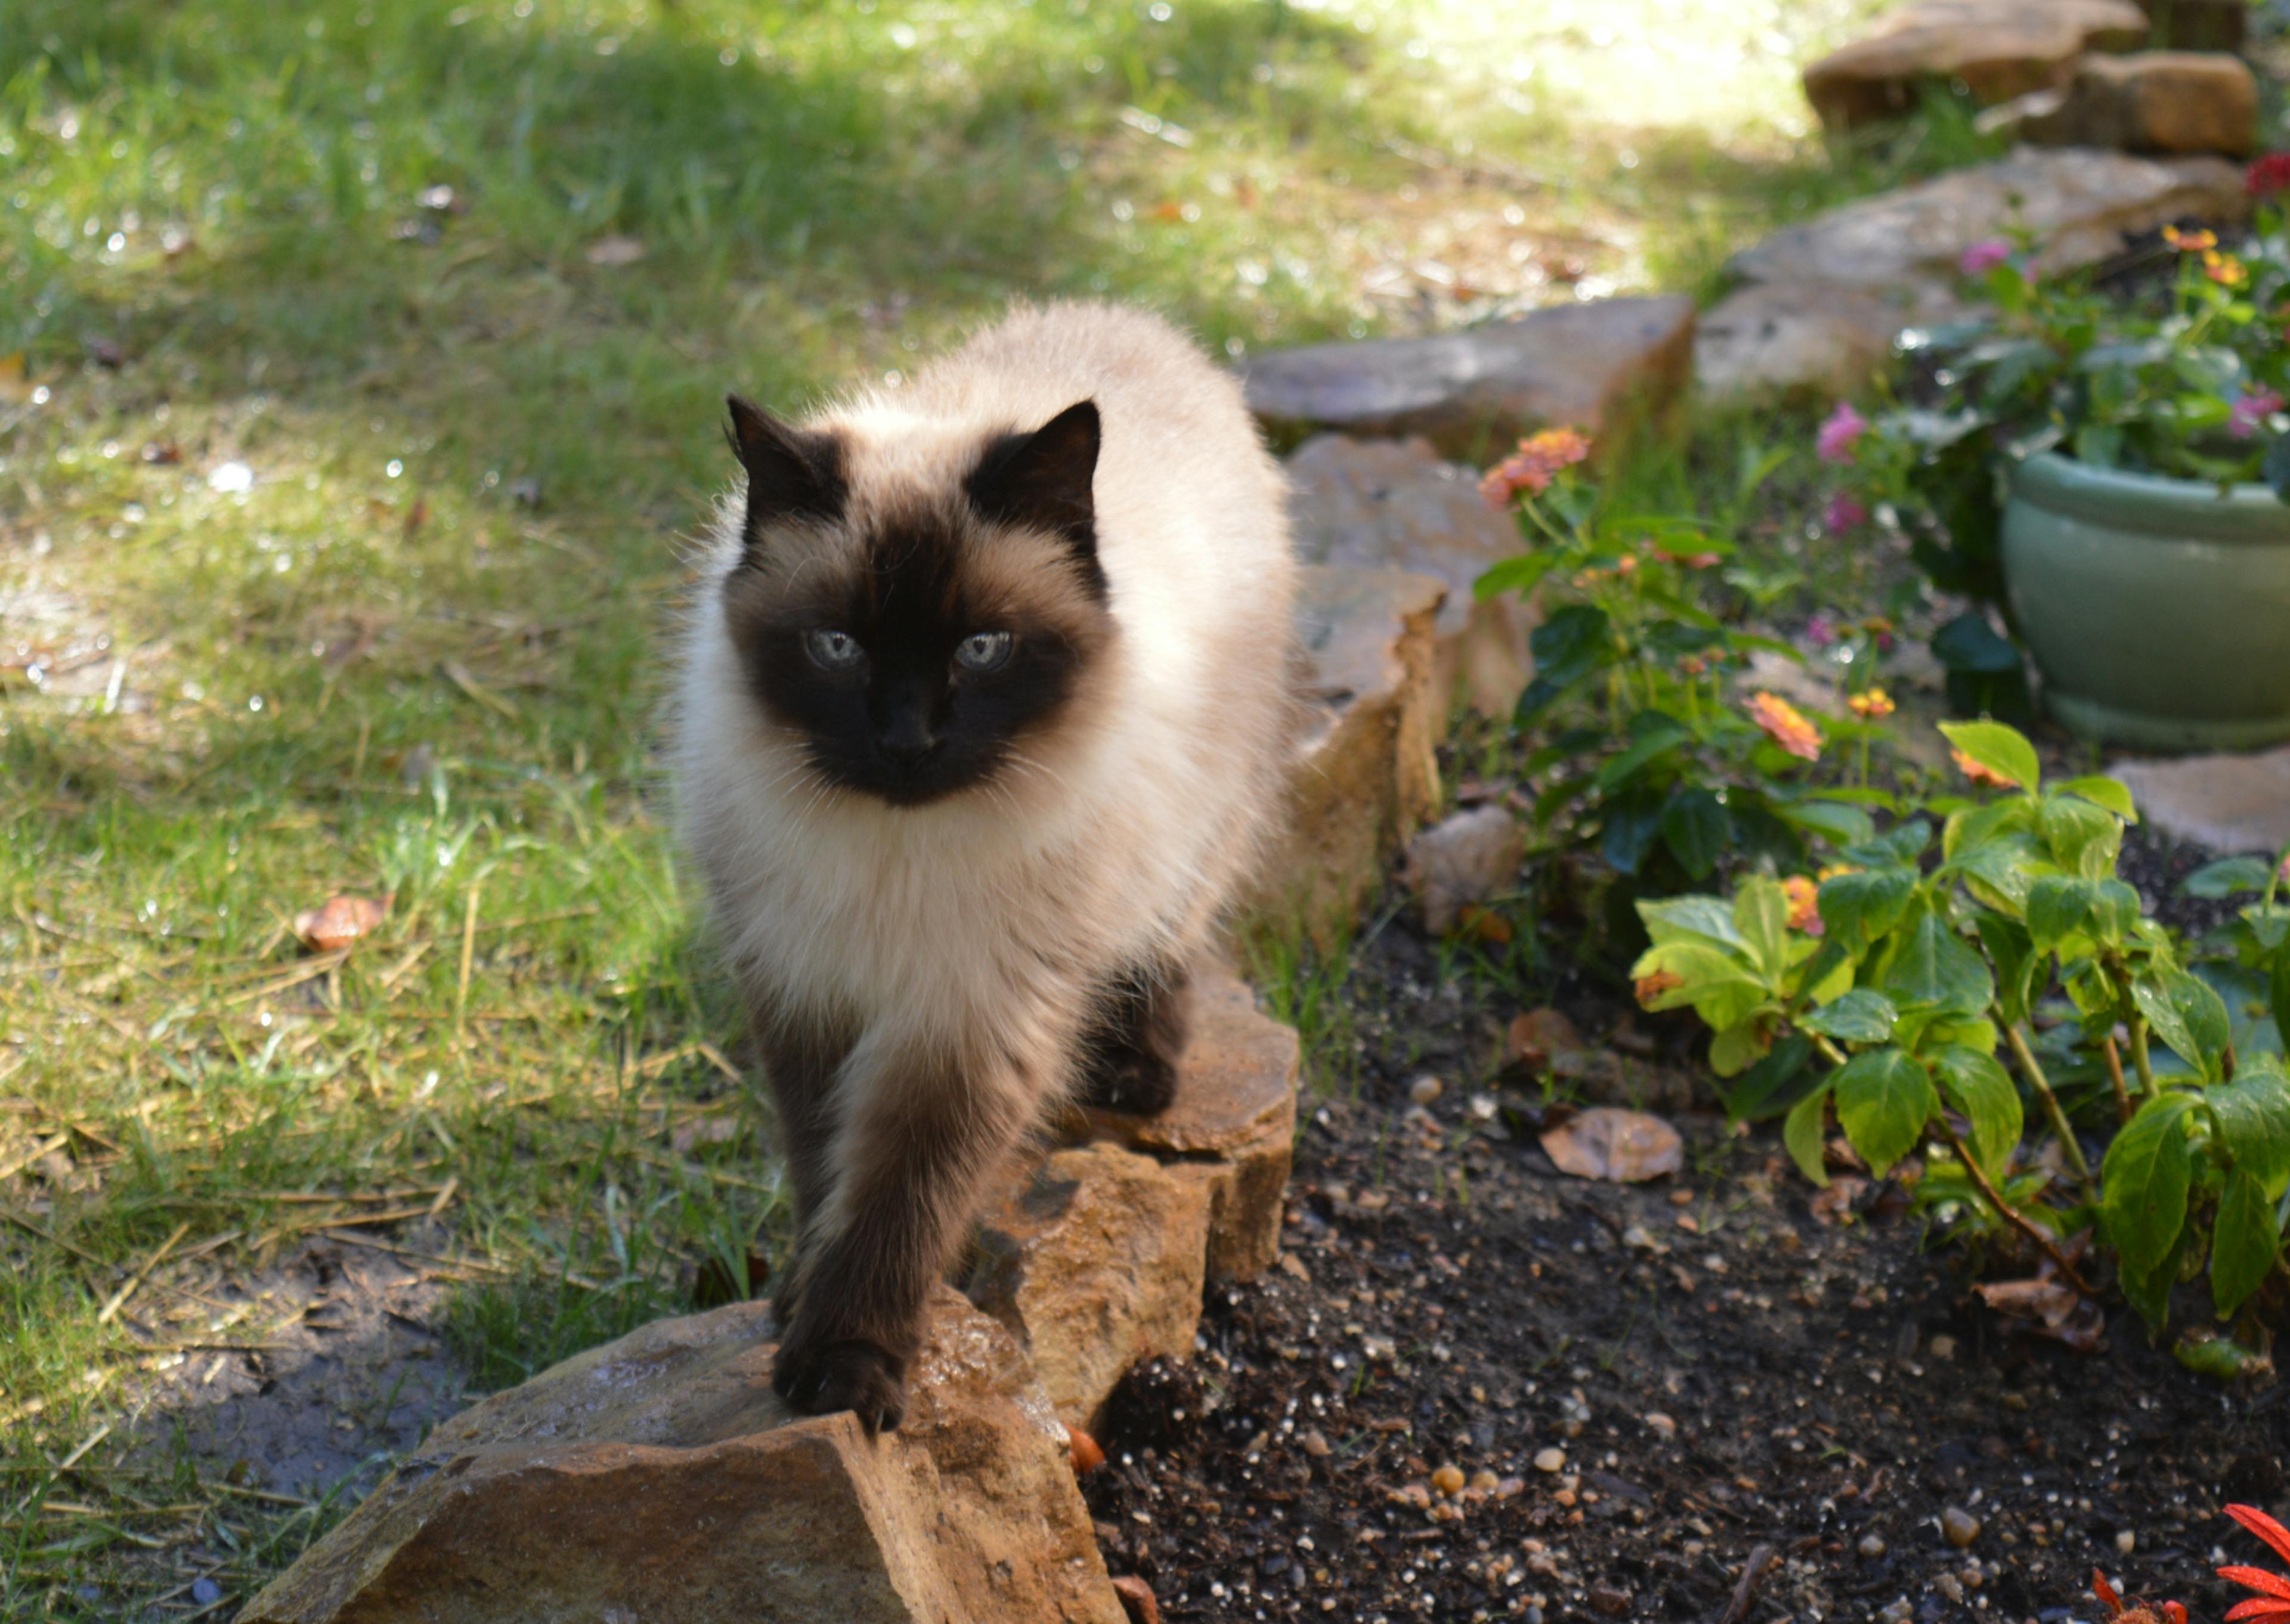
1664,1426
1316,1445
1872,1546
1483,1108
1486,1481
205,1592
1448,1480
1961,1527
1944,1347
2125,1540
1951,1587
1550,1461
1681,1198
1639,1238
1424,1089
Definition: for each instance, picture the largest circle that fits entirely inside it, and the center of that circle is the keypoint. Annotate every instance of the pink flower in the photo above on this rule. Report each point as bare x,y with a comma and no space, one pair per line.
1840,433
1821,631
1843,514
1984,256
2250,411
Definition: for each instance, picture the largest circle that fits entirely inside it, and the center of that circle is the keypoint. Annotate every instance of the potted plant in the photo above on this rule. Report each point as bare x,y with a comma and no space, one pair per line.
2110,464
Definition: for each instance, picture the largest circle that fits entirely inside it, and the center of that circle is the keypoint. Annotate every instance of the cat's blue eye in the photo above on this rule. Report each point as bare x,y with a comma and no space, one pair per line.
982,651
833,651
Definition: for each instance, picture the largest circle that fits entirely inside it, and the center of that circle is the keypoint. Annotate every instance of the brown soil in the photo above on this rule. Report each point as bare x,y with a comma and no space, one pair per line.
1720,1369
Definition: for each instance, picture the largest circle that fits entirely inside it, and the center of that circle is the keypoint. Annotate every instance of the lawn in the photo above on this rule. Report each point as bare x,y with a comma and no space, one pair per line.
360,370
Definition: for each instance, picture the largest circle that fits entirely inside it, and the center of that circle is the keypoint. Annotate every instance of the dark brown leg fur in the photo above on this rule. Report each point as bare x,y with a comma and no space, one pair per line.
800,1066
928,1131
1129,1063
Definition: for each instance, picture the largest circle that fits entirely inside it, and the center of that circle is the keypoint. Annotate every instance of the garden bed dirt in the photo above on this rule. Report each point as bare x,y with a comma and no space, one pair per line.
1641,1389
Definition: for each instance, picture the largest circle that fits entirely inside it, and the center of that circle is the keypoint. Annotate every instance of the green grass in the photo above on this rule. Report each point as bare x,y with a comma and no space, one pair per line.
420,654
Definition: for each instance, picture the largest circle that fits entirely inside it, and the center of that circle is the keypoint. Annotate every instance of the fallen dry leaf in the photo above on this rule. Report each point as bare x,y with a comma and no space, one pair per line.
1137,1599
1835,1204
1538,1034
1621,1147
2048,1306
1088,1457
340,922
717,1128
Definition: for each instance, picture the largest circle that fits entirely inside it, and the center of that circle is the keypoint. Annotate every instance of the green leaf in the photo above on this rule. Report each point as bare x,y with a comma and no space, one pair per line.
2144,1179
1934,967
2001,749
1737,1048
1695,829
1862,1016
1857,908
1722,989
2186,1014
1801,1132
2083,838
1761,911
1764,1088
1884,1100
2253,1114
2149,1291
2278,996
1519,574
1571,644
2003,868
1652,735
1836,821
1898,847
2107,792
1628,825
1707,917
2245,1238
2228,876
1978,1086
2055,907
2013,952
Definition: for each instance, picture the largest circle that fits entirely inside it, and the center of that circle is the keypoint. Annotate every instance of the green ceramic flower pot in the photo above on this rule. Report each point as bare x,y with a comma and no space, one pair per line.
2157,609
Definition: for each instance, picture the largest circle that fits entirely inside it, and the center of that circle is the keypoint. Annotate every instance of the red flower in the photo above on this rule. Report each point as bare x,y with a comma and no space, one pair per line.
2271,1604
2175,1612
2268,175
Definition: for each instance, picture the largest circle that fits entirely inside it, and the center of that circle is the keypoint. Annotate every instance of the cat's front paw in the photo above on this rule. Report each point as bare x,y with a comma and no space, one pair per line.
1134,1085
865,1378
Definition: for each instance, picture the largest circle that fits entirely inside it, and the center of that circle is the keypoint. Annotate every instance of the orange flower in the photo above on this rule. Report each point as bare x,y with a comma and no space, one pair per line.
1532,468
1872,706
1690,561
1804,901
2169,1613
1652,986
1628,564
1978,775
1785,726
1693,665
2225,269
2189,241
2271,1604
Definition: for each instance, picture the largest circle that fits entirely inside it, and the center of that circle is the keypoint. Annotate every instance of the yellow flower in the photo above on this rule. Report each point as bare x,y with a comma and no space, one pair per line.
1785,726
1804,901
1872,706
2225,269
1833,869
2189,241
1980,774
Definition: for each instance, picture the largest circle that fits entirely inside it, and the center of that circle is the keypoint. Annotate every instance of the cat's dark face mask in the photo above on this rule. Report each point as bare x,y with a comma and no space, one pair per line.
918,656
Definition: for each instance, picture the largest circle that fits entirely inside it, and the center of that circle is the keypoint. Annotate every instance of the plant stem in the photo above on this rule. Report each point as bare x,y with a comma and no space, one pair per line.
2124,1108
2139,1058
2012,1215
2042,1085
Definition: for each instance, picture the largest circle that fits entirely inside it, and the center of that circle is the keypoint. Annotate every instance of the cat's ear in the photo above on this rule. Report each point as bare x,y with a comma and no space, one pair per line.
1044,479
791,474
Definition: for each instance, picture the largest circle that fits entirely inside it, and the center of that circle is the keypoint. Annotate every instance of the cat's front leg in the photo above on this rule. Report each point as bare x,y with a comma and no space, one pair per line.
1134,1044
922,1127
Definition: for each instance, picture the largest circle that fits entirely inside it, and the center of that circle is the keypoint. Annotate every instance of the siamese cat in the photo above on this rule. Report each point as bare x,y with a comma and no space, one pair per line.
984,716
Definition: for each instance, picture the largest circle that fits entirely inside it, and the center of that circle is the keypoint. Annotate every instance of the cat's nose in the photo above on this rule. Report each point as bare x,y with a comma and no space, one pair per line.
908,740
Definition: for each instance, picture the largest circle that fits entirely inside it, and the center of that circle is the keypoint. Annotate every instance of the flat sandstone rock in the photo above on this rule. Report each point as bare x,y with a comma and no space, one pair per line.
1095,1261
1473,392
1365,776
2233,805
1398,505
1998,49
658,1477
2173,101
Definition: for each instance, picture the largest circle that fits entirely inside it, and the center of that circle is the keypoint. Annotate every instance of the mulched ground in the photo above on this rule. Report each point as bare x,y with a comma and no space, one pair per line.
1641,1386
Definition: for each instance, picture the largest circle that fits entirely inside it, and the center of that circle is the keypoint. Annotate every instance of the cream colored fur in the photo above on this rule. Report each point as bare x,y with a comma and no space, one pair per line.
978,926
